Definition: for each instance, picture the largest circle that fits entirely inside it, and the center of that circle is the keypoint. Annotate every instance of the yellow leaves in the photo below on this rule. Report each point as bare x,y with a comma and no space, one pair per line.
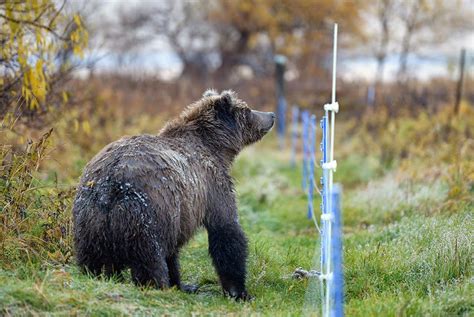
76,125
77,20
34,85
245,6
34,5
39,36
75,36
9,12
40,88
22,54
79,37
455,191
294,27
65,97
31,41
86,127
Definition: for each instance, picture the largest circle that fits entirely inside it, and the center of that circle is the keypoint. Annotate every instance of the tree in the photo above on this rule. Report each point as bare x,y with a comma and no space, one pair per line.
179,25
217,35
378,38
253,31
384,13
428,22
37,42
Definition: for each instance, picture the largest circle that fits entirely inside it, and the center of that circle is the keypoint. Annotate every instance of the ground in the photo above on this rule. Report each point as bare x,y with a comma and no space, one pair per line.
406,252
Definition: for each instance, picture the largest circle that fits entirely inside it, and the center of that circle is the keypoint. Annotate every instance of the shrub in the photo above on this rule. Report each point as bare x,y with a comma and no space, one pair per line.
35,220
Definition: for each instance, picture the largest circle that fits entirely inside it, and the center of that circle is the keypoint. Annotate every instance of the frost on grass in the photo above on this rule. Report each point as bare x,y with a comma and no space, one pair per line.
432,250
439,248
398,193
413,257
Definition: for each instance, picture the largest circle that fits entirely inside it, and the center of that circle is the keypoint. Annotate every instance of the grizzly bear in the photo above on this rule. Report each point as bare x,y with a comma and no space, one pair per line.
143,197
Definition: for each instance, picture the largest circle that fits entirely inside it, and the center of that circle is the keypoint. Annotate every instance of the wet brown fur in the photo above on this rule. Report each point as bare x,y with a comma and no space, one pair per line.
143,197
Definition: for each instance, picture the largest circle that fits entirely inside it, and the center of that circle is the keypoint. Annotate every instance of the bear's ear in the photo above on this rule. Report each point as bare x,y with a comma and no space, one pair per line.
210,92
223,107
227,96
223,113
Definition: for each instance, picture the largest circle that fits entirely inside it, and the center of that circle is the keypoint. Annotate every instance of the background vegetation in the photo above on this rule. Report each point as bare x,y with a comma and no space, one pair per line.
406,162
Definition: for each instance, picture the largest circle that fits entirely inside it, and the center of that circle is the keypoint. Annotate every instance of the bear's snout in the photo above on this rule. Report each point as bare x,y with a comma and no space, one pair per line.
265,119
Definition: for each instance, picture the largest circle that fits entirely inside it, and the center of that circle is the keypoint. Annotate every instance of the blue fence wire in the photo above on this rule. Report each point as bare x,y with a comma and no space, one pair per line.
295,113
337,308
311,163
324,147
304,139
330,206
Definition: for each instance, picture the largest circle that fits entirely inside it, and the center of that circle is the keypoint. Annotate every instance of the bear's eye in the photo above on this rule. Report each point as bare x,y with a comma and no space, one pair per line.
247,112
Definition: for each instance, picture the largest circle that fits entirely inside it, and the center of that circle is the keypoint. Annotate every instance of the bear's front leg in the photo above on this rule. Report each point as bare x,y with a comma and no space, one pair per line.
228,249
175,277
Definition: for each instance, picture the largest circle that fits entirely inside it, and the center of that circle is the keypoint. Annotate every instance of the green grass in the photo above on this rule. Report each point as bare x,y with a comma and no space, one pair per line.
401,257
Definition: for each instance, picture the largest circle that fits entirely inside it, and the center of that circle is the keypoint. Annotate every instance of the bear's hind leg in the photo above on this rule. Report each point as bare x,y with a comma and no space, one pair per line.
89,265
92,269
114,271
151,272
99,269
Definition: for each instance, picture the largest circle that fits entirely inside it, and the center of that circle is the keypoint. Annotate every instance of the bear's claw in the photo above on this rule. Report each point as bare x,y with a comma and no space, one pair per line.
240,296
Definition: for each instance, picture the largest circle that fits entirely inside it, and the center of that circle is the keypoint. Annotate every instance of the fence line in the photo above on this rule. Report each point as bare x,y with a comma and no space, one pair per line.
331,271
295,113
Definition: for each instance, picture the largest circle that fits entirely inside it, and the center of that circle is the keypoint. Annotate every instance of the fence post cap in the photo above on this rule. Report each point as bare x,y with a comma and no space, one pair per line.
332,107
330,165
327,217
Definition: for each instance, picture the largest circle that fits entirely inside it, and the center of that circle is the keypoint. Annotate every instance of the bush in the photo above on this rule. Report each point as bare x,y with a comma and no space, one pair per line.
34,216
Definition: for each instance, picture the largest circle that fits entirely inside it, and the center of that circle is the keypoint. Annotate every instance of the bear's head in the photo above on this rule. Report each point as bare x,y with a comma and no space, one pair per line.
234,117
224,121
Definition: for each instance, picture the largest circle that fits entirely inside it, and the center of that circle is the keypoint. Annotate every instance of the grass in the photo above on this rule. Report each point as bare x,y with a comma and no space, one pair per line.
408,246
399,259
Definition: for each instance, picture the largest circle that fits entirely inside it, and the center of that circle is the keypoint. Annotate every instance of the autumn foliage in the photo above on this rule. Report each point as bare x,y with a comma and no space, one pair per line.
38,44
